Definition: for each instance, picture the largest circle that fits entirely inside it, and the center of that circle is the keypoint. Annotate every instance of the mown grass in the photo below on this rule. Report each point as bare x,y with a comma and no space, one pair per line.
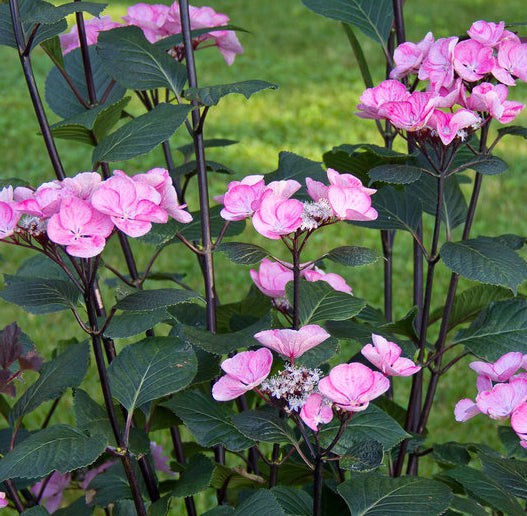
312,111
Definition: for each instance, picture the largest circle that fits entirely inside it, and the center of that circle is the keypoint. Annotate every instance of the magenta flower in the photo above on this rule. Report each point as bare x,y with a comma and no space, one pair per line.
271,278
438,66
245,371
491,98
277,216
519,423
486,33
3,501
386,356
452,125
293,343
353,386
53,490
413,113
93,26
512,61
351,203
80,228
472,60
8,219
316,411
374,98
502,399
502,369
409,56
153,20
242,198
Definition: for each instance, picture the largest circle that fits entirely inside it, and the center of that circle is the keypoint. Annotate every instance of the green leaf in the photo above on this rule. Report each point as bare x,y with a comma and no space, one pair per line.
211,95
135,63
150,300
40,296
90,417
511,474
209,421
133,323
262,502
110,486
263,426
150,369
46,13
398,174
59,95
404,326
511,443
77,508
245,254
293,166
195,477
191,168
353,256
189,149
73,132
361,456
293,501
373,17
485,164
52,47
503,329
313,357
57,448
513,130
486,260
319,302
370,494
466,506
67,370
452,453
484,489
397,210
142,134
38,510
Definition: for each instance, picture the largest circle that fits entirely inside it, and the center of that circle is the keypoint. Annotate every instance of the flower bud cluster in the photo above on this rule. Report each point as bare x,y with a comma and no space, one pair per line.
468,78
81,212
159,21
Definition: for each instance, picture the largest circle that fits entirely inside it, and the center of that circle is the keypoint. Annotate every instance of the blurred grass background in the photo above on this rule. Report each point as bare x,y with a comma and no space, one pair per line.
309,58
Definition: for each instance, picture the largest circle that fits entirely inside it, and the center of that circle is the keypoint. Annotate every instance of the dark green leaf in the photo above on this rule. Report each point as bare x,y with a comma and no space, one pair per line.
372,17
398,174
313,357
211,95
452,453
57,448
195,478
77,508
209,422
160,507
293,166
262,502
487,260
150,300
133,323
149,369
319,302
74,132
511,443
67,370
513,130
191,168
46,13
404,326
110,486
353,256
503,329
466,506
293,501
486,164
245,254
515,242
371,494
90,417
38,510
189,149
142,134
263,426
511,474
52,47
135,63
360,456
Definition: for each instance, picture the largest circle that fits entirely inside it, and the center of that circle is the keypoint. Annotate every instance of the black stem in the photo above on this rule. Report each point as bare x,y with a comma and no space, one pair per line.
88,74
13,494
273,473
180,457
296,284
317,486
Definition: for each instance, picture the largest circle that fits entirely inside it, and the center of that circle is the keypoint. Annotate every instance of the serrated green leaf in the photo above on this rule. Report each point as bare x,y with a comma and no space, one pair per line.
511,474
110,486
136,64
513,130
195,477
67,370
374,495
90,417
150,369
52,48
511,443
372,17
77,508
74,132
486,260
293,166
361,456
353,256
485,164
452,453
211,95
396,174
466,506
45,12
150,300
133,323
319,302
142,134
245,254
293,501
191,168
189,149
209,422
57,448
262,502
404,326
38,510
260,425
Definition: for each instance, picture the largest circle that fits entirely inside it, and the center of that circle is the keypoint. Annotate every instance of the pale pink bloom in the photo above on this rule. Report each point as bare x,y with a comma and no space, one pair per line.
411,114
487,33
81,228
512,60
3,501
502,369
152,20
472,60
438,66
8,220
487,97
347,181
316,190
519,423
82,185
351,203
293,343
277,216
247,180
242,198
245,371
53,490
132,205
160,461
315,411
373,98
450,125
160,179
465,409
386,356
285,188
336,281
49,196
448,97
93,26
26,202
92,473
409,56
353,386
271,278
502,399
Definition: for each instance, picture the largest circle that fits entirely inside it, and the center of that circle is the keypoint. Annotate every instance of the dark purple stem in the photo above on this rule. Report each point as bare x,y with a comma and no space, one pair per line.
180,457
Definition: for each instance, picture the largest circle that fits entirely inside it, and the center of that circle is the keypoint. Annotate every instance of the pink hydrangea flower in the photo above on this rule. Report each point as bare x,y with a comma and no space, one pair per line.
452,125
271,278
93,26
511,61
153,20
82,229
502,369
3,501
245,371
519,423
465,409
487,33
293,343
374,98
316,411
8,220
242,198
386,356
438,67
413,113
53,490
502,399
491,98
336,281
409,56
352,386
472,60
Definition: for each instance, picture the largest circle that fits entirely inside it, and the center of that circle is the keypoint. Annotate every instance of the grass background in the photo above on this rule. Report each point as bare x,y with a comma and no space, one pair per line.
313,110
